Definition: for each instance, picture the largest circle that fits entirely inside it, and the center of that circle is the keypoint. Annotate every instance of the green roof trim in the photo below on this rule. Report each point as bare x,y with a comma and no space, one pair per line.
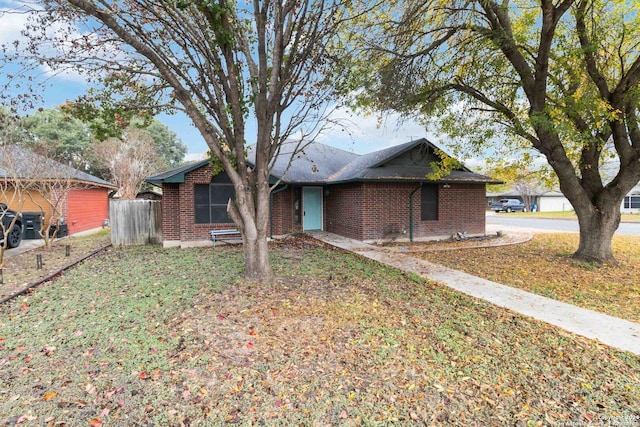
176,175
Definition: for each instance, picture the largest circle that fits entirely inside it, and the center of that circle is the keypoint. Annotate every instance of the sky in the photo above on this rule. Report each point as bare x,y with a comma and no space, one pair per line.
362,133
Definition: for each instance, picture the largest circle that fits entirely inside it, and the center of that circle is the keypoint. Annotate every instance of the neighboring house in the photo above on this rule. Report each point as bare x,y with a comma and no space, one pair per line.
381,195
544,200
85,198
631,202
555,201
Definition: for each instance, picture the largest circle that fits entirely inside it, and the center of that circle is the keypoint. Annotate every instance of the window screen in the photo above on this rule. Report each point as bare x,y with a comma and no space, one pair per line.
211,203
429,203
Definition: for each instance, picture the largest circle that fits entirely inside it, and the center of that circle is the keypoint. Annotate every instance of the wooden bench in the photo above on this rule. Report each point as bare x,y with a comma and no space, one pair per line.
216,234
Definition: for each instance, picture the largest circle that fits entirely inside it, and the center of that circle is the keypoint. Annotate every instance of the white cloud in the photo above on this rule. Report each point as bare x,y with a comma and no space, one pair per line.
11,22
364,133
14,18
194,157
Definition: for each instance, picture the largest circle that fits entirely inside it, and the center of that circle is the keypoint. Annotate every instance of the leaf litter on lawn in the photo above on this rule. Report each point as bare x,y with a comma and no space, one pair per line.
148,336
21,270
544,266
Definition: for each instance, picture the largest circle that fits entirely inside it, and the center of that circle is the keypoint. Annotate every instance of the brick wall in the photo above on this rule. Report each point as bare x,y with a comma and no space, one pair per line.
178,210
363,211
371,211
460,208
343,207
171,212
283,211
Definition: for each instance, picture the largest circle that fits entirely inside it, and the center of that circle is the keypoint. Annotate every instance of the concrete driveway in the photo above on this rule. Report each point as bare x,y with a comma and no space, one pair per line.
25,246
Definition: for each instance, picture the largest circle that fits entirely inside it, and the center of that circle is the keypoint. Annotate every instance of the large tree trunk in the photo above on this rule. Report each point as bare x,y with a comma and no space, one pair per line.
597,226
250,213
256,259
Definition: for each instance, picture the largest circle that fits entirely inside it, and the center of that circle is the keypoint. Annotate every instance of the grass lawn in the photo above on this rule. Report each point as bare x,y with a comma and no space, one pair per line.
21,270
544,266
147,336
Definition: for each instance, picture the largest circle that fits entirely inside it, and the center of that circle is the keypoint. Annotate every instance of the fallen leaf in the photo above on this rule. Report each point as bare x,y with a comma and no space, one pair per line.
26,417
95,423
50,396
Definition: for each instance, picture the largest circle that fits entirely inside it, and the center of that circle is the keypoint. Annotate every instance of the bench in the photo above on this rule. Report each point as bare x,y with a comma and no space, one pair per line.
216,234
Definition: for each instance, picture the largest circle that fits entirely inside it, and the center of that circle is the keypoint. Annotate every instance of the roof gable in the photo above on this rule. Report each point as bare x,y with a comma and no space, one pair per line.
406,162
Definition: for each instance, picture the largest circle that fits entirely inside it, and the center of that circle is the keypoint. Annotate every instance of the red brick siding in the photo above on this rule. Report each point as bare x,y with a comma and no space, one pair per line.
188,228
178,209
87,208
171,212
460,208
363,211
370,211
283,211
343,207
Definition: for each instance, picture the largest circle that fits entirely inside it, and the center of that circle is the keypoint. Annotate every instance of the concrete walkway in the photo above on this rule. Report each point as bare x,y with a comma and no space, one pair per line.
609,330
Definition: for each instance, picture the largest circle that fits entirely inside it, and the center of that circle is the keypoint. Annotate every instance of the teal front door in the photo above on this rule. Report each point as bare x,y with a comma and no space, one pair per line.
312,208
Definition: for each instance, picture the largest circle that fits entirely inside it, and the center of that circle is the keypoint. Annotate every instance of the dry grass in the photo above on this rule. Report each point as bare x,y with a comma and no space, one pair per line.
21,270
544,266
146,336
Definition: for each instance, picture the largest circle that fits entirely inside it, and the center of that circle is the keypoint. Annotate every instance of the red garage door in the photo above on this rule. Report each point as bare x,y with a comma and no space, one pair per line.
87,209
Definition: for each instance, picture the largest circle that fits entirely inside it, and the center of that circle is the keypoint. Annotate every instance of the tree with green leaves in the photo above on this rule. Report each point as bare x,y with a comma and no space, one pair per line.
54,134
559,77
224,63
60,133
165,142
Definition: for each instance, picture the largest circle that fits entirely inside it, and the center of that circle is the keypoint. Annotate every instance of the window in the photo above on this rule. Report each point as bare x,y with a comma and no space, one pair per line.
429,203
211,202
632,202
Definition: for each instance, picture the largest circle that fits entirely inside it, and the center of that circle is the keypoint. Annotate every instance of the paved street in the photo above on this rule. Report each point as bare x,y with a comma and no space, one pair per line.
532,224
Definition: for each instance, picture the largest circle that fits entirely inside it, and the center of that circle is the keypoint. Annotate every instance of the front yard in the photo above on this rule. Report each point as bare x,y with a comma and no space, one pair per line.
544,266
146,336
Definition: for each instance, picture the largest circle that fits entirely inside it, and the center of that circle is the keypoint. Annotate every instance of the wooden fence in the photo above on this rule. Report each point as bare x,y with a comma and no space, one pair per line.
135,222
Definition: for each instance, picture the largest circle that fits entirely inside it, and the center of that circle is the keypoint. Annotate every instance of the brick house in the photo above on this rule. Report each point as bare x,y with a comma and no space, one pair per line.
81,200
381,195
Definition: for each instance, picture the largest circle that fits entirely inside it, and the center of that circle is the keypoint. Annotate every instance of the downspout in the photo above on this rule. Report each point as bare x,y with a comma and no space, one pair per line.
271,208
411,211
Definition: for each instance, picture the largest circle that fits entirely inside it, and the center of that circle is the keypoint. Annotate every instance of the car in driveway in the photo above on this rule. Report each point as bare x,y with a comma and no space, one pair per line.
14,237
508,205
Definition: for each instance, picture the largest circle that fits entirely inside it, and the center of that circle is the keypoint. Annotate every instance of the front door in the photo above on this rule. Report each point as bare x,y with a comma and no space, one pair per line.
312,208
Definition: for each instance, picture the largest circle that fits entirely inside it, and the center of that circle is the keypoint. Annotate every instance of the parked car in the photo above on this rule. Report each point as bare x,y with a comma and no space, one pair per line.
508,205
15,233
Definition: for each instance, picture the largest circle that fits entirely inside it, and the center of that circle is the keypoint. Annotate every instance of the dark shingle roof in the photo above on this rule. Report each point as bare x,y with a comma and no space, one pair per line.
313,164
318,163
19,163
